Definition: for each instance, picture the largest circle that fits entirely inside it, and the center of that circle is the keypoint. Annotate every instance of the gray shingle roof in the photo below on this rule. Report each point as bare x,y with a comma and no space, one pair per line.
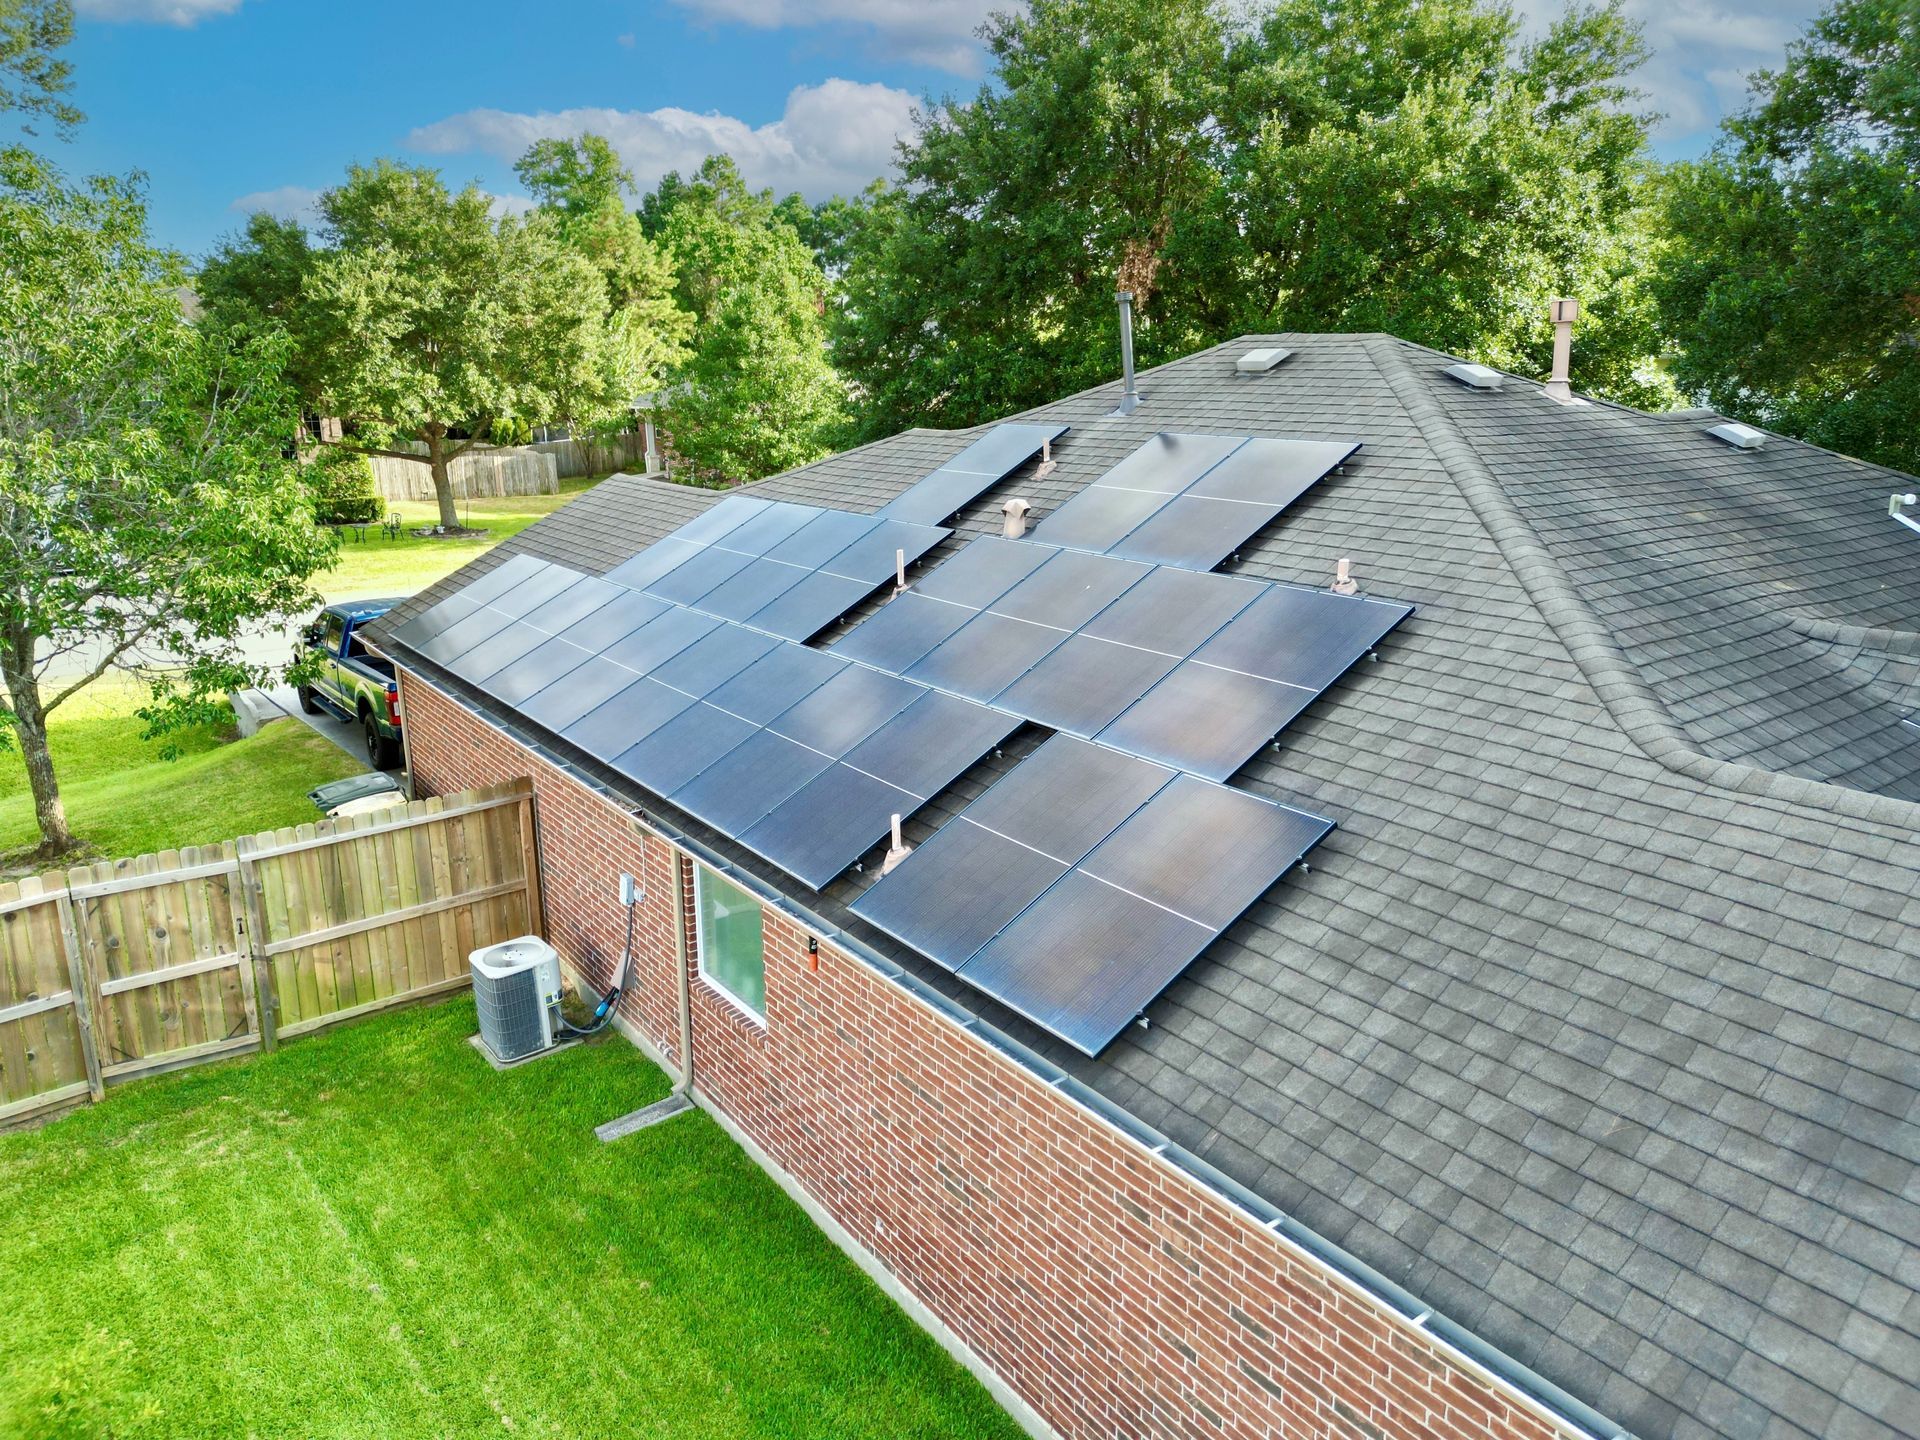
1595,1023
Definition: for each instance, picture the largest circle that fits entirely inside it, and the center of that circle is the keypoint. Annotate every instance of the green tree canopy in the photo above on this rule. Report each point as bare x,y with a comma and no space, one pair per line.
1791,280
756,394
148,514
33,79
1373,165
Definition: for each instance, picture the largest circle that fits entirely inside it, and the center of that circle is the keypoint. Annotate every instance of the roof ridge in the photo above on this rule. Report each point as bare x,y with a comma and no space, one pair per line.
1589,642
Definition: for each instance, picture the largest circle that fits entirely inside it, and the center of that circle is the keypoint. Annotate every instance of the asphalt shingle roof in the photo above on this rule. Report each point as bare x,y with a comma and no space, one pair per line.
1595,1024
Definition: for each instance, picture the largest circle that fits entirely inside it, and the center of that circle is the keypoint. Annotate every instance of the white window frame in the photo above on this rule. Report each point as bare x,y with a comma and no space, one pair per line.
702,878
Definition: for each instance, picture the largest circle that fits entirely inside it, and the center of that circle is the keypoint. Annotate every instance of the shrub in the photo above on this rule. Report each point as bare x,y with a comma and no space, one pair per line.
510,430
342,488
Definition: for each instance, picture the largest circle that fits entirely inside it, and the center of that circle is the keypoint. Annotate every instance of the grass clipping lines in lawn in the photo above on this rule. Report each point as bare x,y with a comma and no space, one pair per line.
372,1233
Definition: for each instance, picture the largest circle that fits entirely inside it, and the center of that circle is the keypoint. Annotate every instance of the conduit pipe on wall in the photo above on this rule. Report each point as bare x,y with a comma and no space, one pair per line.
684,1085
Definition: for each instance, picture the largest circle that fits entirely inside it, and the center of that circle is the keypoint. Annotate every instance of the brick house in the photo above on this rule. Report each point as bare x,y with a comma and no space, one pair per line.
1572,1092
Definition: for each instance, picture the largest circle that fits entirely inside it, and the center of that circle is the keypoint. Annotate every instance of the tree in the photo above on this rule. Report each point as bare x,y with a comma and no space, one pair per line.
32,78
1367,164
1791,280
756,394
1088,164
581,186
420,314
251,285
147,511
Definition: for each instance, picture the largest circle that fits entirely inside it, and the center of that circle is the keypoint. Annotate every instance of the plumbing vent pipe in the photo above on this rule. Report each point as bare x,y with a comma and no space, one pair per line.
1015,523
1130,400
897,851
1564,311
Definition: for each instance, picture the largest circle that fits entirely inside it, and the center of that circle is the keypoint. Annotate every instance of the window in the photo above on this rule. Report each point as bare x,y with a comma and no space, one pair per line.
732,954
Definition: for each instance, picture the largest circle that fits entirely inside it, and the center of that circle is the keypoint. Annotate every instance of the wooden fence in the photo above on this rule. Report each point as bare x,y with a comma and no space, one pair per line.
479,474
130,967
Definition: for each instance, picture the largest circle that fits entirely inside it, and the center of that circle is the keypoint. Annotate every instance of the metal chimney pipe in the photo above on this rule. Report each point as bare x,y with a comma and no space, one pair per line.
1564,312
1130,401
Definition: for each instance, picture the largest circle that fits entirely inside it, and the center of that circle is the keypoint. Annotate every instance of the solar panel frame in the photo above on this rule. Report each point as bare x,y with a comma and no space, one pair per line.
436,617
1005,448
461,636
503,577
719,520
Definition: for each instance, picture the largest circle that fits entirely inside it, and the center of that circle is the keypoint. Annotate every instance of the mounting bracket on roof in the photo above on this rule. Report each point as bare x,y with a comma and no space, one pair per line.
897,851
1343,581
1047,463
1896,507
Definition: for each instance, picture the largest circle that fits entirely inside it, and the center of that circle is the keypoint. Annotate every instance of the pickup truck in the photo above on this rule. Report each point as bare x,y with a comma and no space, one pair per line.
352,682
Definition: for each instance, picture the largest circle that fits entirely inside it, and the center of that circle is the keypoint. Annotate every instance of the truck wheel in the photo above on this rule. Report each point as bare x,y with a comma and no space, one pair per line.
381,751
308,705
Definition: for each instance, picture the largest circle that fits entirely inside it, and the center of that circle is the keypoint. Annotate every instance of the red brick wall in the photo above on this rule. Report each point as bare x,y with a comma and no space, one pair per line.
1116,1294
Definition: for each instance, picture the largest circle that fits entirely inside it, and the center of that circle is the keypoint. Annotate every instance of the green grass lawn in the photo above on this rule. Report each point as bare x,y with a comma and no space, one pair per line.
123,799
371,1233
377,566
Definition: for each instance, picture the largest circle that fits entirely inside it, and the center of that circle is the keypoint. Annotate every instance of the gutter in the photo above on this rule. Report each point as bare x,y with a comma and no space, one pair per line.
1562,1409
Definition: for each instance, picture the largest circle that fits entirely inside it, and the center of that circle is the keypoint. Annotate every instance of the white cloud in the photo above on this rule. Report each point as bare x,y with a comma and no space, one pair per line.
287,202
503,205
183,13
834,137
1703,51
927,32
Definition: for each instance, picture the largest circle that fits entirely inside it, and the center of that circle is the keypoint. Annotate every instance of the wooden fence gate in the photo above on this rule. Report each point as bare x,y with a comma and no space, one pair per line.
131,967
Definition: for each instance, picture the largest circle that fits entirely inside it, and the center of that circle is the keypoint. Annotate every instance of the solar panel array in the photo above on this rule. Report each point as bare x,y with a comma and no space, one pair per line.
1081,885
801,756
971,473
1190,500
1194,670
791,570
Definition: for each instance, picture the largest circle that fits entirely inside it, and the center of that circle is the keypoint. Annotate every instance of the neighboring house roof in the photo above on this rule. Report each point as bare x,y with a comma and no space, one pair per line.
1595,1024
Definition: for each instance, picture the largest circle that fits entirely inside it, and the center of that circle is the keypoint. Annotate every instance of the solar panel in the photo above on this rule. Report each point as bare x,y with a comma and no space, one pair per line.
984,656
1097,517
845,710
683,746
659,640
956,891
872,557
1084,959
971,473
734,790
1302,637
983,572
1206,720
534,671
454,641
712,660
821,538
534,591
1083,683
625,613
657,559
577,601
775,683
760,533
929,744
1170,462
1067,797
640,571
497,651
758,584
804,610
1197,534
1204,850
721,520
1069,590
1173,611
827,824
1272,472
902,630
582,689
503,577
624,718
699,573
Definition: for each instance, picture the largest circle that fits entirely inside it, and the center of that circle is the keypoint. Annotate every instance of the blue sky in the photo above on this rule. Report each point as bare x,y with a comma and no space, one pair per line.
230,105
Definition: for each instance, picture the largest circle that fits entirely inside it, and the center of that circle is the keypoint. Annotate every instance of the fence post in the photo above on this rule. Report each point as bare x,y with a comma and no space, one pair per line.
530,862
81,983
266,997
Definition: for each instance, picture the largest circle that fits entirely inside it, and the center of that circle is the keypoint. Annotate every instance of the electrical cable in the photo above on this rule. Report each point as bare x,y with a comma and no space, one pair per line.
604,1014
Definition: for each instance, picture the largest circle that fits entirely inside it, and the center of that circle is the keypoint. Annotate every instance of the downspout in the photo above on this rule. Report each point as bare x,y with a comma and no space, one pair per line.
684,1085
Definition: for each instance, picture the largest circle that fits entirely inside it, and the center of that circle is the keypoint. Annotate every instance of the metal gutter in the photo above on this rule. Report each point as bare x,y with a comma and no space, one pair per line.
1571,1413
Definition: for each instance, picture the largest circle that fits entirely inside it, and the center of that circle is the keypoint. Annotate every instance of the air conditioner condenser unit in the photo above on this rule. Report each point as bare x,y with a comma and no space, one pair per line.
516,989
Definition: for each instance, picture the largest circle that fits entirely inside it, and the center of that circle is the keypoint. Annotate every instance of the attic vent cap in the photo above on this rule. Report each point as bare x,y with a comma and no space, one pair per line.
1476,377
1258,362
1741,437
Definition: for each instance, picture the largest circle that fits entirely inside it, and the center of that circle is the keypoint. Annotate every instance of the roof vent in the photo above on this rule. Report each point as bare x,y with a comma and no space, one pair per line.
1258,362
1476,377
1741,437
1014,525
